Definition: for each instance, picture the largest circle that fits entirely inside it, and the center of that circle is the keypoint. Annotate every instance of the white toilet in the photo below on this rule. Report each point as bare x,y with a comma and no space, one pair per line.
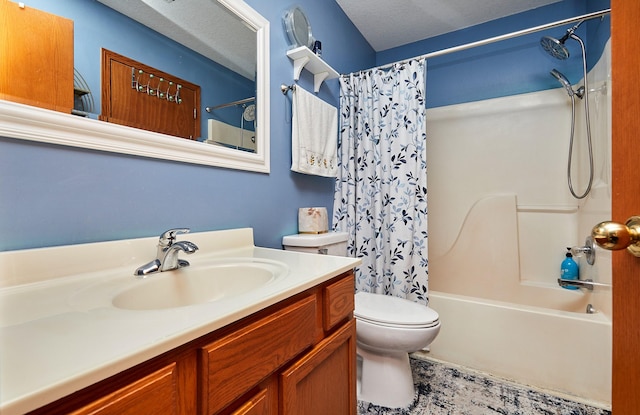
387,330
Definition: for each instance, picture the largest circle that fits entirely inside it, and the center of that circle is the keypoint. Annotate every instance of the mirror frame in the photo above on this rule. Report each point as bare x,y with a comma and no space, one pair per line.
37,124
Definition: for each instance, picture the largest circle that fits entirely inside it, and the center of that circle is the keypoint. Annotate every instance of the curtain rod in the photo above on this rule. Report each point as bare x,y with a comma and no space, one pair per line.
494,39
230,104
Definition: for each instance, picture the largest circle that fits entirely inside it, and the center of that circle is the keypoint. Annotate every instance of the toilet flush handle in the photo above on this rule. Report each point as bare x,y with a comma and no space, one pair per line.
323,251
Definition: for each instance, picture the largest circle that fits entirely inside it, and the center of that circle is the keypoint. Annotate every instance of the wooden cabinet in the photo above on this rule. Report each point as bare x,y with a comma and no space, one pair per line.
238,361
263,402
295,357
36,57
154,393
339,302
323,381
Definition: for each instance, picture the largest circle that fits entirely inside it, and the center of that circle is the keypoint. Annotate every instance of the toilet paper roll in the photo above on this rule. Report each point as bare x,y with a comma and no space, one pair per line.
313,220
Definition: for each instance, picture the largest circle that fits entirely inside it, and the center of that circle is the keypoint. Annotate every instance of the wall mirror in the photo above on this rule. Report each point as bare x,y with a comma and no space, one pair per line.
228,32
298,28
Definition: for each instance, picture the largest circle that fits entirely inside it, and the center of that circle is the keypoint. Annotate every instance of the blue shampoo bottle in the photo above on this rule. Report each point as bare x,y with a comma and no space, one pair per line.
569,270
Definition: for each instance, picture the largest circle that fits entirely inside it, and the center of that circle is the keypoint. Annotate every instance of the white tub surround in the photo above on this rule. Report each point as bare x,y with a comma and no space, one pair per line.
504,217
496,252
60,332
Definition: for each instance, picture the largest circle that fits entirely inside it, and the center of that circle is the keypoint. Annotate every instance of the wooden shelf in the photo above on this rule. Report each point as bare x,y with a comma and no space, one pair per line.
304,58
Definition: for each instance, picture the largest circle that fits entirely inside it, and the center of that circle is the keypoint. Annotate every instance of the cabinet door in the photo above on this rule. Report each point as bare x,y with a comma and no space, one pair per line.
234,364
324,380
36,57
154,394
263,402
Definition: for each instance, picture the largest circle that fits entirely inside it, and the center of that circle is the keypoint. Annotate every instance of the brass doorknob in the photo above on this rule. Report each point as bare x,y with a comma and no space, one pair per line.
614,236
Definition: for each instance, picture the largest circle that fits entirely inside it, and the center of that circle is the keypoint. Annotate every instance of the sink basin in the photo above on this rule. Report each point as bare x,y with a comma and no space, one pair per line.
198,284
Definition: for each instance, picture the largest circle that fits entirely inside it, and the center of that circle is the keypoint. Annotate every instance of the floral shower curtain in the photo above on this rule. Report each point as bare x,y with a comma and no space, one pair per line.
381,190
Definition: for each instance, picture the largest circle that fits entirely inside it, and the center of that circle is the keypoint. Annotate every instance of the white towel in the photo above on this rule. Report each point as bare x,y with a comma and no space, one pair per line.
314,135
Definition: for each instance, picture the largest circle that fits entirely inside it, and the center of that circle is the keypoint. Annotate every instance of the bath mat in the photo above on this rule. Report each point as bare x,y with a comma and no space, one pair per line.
446,390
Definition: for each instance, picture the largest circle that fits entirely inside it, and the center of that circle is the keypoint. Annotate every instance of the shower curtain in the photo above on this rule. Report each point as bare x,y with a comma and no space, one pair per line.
381,190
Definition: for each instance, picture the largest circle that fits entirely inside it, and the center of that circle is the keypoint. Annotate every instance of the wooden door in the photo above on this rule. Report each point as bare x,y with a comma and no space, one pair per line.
626,202
140,96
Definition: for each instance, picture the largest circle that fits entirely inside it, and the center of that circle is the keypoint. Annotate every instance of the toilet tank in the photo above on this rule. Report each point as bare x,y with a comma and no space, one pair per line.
330,243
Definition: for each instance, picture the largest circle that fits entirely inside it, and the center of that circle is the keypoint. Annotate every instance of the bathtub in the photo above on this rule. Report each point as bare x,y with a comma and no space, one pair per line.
563,351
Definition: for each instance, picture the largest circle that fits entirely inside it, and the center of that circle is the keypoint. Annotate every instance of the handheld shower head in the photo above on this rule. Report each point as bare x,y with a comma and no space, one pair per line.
563,80
555,47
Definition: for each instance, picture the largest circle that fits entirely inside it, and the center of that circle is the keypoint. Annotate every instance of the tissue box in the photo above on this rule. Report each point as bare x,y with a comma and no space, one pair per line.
313,220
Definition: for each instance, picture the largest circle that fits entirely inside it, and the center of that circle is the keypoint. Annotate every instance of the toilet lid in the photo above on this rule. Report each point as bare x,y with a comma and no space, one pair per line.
394,311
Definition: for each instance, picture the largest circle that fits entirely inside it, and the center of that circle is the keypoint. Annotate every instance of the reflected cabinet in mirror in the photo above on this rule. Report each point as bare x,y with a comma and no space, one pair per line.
159,53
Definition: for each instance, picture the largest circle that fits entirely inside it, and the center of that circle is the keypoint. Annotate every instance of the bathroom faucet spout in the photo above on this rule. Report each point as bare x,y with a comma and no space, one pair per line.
167,255
171,260
167,238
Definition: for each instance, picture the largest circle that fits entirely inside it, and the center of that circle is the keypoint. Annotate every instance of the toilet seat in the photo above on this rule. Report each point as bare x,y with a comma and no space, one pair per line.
391,311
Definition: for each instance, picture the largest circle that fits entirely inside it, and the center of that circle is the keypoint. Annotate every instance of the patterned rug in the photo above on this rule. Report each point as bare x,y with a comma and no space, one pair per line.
445,390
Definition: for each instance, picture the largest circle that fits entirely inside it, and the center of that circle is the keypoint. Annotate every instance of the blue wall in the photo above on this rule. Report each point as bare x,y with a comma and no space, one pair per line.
52,195
507,67
97,26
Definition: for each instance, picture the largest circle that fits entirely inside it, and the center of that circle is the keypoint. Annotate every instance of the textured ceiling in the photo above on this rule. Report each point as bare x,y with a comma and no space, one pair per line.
202,25
390,23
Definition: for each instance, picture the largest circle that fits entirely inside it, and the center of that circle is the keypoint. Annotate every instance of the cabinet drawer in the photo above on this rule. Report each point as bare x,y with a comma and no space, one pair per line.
153,394
237,362
339,301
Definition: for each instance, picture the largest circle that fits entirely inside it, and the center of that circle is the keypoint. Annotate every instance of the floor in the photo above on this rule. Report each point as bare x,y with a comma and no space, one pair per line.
447,390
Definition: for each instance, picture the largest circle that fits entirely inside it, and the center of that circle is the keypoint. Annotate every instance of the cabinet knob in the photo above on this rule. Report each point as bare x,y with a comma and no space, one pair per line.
614,236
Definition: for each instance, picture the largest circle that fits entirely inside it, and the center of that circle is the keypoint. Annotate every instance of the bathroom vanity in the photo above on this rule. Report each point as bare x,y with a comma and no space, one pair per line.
78,343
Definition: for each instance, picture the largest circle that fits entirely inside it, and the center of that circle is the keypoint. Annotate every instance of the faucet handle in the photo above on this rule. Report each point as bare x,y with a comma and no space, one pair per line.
168,237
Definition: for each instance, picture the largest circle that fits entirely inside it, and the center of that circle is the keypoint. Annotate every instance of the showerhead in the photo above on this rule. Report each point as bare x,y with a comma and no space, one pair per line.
249,112
555,47
563,80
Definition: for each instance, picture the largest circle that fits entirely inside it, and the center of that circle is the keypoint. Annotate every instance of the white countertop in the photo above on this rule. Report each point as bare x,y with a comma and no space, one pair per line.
59,331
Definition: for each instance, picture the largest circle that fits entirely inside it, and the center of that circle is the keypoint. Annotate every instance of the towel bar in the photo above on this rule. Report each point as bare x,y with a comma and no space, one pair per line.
286,88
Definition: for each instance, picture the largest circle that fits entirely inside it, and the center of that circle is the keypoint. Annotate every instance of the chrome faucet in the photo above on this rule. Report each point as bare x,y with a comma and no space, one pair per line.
167,255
